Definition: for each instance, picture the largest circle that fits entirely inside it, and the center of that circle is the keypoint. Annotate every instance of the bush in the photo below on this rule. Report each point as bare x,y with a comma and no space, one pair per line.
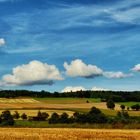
54,118
42,116
93,116
122,117
64,118
94,110
7,118
122,107
24,116
16,115
135,107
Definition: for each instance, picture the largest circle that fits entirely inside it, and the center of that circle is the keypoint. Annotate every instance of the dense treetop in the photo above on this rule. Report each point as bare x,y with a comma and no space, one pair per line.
116,96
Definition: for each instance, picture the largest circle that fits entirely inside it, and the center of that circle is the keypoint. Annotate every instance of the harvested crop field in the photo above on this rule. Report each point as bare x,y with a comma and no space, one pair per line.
4,100
58,103
31,103
67,134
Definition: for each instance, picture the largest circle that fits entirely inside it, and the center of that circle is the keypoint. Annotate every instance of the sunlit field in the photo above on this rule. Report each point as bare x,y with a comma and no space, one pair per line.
5,100
67,134
68,100
68,105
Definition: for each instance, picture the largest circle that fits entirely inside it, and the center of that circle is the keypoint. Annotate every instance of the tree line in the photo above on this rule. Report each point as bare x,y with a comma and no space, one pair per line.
117,96
94,116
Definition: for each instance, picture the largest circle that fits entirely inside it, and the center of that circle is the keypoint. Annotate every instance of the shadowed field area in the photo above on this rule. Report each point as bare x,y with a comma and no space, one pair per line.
67,134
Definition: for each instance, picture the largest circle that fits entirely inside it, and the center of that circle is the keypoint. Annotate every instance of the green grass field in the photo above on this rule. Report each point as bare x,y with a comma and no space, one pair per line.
128,104
45,124
68,100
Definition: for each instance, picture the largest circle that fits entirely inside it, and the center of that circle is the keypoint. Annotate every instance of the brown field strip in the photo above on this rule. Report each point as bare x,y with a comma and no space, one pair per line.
67,134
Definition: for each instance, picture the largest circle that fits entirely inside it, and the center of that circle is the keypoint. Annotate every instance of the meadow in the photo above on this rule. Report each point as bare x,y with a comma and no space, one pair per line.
67,134
128,104
68,100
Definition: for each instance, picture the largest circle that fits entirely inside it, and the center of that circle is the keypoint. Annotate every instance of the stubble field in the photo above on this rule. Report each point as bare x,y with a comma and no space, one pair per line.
67,134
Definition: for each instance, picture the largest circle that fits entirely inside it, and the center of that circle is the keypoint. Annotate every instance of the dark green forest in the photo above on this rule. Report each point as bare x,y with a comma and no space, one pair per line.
116,96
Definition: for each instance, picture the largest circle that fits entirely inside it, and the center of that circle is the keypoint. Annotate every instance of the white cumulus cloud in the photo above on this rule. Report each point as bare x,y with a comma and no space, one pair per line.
116,75
79,88
34,73
73,89
99,89
2,41
77,68
136,68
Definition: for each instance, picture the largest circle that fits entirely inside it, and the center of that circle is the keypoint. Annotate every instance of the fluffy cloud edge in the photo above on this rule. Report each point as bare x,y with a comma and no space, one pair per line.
136,68
81,88
77,68
99,89
33,73
116,75
73,89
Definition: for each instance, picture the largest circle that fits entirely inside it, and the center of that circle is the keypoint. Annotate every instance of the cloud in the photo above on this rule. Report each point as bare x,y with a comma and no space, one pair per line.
34,73
136,68
99,89
77,68
116,75
73,89
2,41
79,88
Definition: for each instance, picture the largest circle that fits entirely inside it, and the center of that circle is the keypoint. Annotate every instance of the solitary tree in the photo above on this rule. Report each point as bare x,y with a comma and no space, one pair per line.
94,110
110,104
39,114
122,107
24,116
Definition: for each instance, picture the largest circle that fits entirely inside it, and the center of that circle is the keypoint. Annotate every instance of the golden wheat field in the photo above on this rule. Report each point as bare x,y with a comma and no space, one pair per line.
4,100
67,134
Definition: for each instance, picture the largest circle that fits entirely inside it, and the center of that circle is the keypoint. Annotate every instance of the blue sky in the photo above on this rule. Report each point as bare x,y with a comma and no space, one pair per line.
98,40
